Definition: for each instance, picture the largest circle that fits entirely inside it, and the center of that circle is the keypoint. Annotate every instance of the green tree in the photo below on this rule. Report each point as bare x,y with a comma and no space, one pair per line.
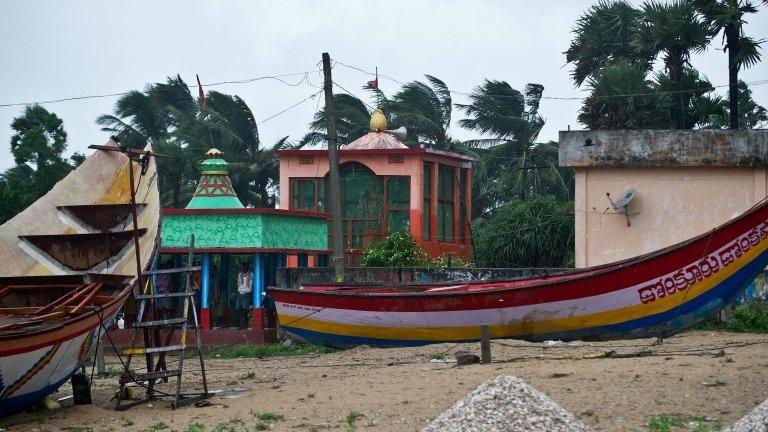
425,110
352,121
398,249
169,115
621,97
537,232
37,144
603,34
698,106
674,30
751,115
512,164
727,16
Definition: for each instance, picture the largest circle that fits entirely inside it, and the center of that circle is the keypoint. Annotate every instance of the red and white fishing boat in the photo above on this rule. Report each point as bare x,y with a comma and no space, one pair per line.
69,263
657,294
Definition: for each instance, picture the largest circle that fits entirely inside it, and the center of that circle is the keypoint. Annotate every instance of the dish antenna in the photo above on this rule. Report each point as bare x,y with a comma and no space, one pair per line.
621,205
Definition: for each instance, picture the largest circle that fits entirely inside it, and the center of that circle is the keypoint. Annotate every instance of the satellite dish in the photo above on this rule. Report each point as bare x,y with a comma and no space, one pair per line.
399,133
621,204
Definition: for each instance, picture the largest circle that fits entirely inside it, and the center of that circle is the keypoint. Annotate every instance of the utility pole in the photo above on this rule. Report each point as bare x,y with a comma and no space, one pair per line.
333,162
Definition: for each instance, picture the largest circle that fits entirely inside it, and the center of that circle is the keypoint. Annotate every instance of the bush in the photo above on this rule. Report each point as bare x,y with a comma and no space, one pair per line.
399,249
749,317
537,232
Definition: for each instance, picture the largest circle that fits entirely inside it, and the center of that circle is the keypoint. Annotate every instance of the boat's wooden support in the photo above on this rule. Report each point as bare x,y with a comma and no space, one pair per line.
485,344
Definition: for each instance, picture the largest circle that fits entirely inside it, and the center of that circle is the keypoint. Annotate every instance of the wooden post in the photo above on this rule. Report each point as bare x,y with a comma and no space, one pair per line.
333,172
485,344
100,369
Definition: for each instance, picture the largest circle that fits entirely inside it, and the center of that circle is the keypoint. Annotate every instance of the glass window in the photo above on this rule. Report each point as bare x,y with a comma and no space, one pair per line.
426,210
361,202
398,202
445,204
303,194
463,206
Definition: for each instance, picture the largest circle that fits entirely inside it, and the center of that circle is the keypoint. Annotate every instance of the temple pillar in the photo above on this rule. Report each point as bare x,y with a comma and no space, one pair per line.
302,260
257,289
205,282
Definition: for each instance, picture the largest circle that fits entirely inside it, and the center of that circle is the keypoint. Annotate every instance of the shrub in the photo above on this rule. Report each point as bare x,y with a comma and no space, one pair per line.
399,249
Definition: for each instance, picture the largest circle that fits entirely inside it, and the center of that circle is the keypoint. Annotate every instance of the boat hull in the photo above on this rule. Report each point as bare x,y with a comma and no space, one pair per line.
35,366
656,295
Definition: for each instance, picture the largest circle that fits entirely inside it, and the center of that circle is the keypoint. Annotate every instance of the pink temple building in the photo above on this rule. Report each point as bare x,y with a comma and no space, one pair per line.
386,186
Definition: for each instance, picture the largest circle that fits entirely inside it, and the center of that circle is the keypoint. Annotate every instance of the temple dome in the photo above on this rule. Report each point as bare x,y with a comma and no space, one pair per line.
377,138
378,121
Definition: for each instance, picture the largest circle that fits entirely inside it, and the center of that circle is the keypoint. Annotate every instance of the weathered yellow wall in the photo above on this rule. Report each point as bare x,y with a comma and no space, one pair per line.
672,205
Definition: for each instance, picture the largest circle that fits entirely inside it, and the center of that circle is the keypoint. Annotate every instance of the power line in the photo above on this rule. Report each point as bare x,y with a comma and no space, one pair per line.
288,109
464,93
214,84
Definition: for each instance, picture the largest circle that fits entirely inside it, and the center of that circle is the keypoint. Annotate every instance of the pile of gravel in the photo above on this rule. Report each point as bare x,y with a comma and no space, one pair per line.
506,403
756,420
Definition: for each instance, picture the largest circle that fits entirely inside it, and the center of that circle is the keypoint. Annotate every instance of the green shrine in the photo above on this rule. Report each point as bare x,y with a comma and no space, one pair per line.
223,226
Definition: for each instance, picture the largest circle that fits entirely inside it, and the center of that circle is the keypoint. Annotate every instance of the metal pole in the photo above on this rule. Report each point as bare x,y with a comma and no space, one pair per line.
333,162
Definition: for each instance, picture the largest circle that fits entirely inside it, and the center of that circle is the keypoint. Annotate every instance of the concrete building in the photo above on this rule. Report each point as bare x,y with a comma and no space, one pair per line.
386,186
685,182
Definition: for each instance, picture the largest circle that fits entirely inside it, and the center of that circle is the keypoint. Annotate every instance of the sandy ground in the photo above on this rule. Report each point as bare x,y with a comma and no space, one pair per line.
401,390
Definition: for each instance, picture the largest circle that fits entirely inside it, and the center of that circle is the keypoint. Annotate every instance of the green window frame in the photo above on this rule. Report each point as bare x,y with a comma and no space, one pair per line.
445,204
426,211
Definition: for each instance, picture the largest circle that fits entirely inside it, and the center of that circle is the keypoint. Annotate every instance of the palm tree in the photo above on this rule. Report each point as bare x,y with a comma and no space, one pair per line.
352,121
608,107
698,102
676,30
425,110
513,164
603,34
728,16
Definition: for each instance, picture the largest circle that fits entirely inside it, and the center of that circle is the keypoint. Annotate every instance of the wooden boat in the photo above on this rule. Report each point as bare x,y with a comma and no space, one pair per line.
69,263
657,294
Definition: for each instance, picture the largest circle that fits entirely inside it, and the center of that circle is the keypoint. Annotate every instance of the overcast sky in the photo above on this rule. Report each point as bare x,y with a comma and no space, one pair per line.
54,50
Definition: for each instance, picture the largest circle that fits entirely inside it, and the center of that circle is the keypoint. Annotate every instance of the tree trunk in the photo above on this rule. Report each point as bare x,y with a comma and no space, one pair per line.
676,77
733,46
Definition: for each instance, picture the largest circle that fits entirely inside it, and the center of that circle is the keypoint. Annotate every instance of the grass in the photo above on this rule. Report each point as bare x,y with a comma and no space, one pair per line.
437,356
748,317
266,350
351,420
267,416
681,422
197,427
157,427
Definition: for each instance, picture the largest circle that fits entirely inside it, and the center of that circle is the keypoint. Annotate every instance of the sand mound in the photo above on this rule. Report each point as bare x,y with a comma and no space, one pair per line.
506,403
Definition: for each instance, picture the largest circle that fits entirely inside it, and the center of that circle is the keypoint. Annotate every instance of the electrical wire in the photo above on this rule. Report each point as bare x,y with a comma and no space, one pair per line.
214,84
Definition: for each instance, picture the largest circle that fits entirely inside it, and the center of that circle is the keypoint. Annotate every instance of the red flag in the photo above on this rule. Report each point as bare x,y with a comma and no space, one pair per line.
201,95
373,85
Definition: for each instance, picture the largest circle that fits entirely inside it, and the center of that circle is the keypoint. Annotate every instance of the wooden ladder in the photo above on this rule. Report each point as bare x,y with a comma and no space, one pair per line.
148,323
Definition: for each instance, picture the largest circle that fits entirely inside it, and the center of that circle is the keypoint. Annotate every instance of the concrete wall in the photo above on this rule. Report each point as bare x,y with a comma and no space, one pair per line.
672,204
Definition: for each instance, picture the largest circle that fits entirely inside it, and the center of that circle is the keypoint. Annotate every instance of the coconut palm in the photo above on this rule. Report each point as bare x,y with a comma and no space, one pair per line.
608,107
512,163
425,110
352,121
603,34
675,30
728,16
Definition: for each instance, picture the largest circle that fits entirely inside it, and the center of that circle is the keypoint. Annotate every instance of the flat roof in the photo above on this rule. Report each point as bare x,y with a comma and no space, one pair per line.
638,148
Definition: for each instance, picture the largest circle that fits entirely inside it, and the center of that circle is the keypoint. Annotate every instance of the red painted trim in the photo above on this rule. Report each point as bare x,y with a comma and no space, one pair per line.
575,285
342,152
245,250
259,321
247,211
205,318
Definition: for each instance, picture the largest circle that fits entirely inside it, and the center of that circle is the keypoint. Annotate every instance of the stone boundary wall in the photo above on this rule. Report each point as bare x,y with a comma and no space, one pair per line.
296,277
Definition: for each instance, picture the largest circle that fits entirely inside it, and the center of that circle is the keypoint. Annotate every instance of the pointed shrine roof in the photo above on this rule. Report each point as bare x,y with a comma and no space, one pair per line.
214,190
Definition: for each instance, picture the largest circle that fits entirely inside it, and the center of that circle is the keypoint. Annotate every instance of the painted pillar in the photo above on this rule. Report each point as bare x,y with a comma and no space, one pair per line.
226,279
302,260
257,290
205,281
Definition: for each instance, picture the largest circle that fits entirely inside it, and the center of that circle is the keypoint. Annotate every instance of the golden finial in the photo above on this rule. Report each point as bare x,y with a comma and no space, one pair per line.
378,121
